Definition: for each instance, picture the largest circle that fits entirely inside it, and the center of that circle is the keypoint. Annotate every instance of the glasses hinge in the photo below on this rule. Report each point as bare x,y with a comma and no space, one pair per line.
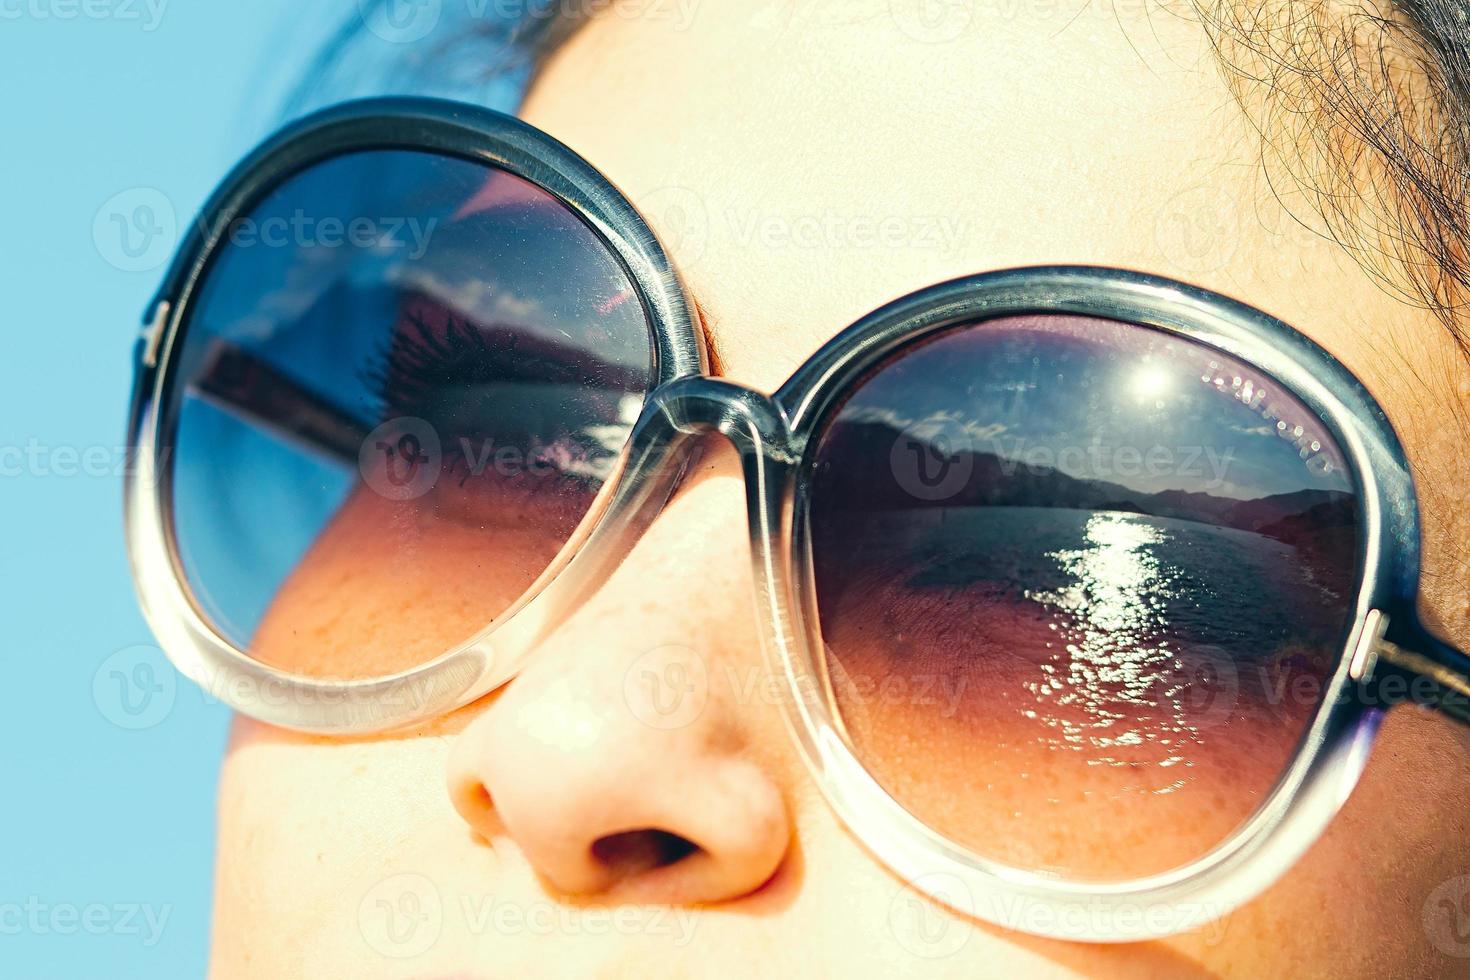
152,335
1370,645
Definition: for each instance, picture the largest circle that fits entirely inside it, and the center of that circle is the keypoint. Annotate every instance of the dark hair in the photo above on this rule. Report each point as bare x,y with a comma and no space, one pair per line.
1363,110
474,56
1367,113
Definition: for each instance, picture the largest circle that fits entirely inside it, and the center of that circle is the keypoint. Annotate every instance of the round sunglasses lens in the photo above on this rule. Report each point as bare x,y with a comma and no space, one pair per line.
403,381
1081,587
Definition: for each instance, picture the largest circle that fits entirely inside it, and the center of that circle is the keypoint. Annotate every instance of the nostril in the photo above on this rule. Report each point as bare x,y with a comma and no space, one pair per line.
635,851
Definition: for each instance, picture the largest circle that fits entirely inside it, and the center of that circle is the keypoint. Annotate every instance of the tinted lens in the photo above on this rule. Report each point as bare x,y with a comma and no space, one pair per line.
1081,585
402,384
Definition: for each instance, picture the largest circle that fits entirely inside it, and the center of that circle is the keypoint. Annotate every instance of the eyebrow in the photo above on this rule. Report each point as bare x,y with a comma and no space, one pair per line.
705,322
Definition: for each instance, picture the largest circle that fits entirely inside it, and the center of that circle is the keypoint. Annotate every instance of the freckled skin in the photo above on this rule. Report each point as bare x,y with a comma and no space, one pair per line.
1039,136
406,564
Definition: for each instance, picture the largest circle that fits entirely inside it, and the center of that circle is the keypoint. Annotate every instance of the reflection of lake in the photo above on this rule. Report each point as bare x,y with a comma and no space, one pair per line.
1148,620
1116,663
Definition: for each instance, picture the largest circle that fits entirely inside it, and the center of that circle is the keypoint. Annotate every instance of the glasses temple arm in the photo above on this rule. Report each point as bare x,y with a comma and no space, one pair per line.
1432,673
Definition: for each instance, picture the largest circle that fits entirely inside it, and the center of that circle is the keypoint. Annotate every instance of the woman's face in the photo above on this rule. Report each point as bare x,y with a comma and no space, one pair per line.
803,164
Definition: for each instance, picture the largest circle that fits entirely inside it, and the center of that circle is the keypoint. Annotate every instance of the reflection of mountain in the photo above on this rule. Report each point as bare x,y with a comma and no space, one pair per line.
1318,520
1284,511
1326,534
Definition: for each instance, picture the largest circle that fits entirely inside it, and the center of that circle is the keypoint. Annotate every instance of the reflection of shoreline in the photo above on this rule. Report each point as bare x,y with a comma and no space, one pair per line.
1210,573
924,477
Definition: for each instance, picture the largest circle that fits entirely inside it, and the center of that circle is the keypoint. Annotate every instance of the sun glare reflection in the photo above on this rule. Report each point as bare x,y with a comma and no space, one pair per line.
1114,689
1150,383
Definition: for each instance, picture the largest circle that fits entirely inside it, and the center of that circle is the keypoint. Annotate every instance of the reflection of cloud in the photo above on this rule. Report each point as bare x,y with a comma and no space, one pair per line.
983,433
1258,430
482,301
943,423
610,439
874,413
285,304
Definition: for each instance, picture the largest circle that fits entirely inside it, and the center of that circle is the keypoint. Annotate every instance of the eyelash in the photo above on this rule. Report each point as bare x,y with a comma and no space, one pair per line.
418,362
415,363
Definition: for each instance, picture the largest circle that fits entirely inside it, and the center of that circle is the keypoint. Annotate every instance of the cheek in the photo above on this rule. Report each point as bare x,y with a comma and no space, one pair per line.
986,720
309,832
1403,833
390,585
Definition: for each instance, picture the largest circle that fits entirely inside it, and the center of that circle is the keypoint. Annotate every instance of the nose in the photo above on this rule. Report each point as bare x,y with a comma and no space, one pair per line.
622,761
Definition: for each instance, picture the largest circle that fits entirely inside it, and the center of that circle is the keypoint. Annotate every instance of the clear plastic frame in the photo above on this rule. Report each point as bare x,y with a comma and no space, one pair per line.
774,434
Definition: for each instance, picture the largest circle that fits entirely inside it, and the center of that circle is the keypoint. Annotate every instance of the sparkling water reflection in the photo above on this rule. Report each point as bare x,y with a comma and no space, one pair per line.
1116,669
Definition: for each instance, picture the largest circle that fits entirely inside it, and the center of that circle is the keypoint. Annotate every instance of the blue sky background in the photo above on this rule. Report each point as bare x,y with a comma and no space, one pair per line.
109,764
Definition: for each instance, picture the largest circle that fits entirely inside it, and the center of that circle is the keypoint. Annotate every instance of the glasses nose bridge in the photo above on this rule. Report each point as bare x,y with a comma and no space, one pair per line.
752,421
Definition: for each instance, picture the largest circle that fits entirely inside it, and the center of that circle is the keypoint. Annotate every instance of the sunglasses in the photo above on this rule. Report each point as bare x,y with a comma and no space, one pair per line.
1086,589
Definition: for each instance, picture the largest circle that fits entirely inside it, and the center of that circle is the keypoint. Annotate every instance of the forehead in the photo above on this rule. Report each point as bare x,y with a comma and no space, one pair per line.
805,163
